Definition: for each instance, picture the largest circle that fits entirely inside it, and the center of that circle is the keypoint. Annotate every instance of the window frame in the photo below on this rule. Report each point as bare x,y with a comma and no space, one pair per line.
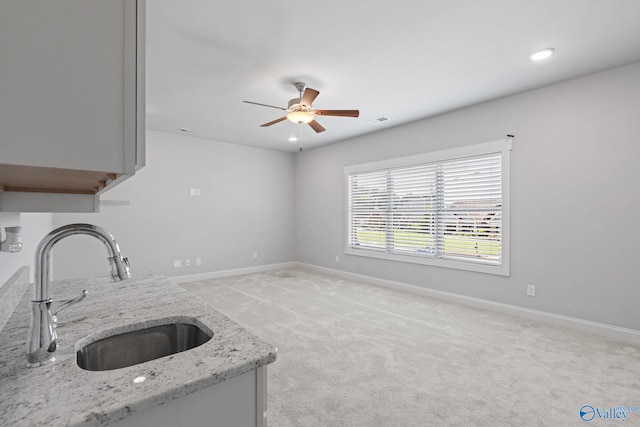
502,146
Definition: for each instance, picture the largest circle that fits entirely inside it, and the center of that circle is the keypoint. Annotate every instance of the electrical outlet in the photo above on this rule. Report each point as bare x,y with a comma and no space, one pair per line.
198,261
187,262
531,290
177,263
337,258
255,255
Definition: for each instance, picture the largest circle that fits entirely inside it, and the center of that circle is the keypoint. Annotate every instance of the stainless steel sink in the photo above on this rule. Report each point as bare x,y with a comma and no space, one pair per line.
132,348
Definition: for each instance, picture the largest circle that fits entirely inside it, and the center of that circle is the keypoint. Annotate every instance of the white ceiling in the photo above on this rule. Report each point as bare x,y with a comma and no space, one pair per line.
401,59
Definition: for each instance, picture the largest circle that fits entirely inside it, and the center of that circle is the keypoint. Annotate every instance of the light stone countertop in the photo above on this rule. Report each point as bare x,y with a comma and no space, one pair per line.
62,394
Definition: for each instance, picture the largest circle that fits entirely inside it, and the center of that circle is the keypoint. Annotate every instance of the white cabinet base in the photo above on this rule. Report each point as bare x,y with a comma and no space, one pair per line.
240,402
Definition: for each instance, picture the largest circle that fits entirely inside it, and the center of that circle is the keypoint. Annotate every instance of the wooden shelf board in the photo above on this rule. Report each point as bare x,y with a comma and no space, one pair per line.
52,180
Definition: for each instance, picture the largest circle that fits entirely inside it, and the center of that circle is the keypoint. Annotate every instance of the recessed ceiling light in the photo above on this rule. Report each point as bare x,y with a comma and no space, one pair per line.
292,139
542,54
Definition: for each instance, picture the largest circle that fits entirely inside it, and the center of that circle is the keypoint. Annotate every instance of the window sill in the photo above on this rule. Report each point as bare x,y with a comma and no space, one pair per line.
501,270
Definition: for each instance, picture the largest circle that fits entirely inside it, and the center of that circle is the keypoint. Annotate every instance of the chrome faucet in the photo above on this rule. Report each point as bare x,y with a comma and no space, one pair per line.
42,340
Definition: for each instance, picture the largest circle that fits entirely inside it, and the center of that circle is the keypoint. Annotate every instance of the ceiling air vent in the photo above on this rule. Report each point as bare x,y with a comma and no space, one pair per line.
377,120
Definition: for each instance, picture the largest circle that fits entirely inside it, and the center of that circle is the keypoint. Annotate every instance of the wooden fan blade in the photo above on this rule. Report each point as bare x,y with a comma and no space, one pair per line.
309,96
265,105
316,126
341,113
274,122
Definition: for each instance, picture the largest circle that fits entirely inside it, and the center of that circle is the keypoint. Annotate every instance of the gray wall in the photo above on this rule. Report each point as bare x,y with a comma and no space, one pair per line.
34,227
574,184
245,206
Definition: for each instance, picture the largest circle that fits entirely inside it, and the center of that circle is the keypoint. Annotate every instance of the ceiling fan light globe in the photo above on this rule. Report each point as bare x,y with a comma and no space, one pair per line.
300,116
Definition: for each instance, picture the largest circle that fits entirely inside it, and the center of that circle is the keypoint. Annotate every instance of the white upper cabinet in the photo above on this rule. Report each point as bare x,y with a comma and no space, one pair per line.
72,101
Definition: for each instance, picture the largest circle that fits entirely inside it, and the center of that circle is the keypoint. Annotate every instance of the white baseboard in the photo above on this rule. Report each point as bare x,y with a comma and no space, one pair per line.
233,272
607,331
616,333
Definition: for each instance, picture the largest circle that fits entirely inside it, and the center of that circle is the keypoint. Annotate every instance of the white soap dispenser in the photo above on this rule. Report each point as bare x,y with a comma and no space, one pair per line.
13,240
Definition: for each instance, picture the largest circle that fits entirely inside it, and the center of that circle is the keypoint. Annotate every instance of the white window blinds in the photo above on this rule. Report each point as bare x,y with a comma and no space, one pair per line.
471,209
450,209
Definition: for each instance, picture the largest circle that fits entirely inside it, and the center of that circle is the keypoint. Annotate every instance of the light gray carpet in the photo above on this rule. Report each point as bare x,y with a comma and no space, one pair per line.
352,354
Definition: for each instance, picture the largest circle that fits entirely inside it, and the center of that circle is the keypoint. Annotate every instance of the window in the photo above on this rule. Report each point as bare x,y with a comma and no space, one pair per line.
448,208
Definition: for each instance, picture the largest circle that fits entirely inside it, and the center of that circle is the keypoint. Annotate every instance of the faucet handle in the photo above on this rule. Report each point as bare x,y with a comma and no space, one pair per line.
69,302
119,268
126,273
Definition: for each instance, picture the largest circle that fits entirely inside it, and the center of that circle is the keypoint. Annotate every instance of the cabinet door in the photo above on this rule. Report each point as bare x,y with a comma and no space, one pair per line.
68,87
72,101
238,402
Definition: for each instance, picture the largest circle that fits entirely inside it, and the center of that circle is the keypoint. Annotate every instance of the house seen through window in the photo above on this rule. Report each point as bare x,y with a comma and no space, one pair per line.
445,208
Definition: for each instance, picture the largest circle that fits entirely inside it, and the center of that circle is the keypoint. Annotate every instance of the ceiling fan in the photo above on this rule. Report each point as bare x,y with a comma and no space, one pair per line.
300,110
